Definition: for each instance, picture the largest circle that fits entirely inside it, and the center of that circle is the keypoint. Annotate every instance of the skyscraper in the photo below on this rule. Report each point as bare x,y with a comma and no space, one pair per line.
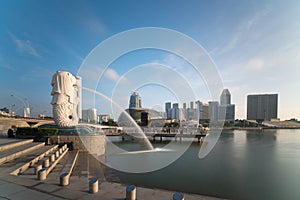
213,110
226,109
135,101
192,105
225,98
168,110
184,106
175,111
262,106
226,112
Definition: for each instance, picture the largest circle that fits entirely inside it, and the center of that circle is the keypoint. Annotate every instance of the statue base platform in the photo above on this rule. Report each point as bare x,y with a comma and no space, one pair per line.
91,143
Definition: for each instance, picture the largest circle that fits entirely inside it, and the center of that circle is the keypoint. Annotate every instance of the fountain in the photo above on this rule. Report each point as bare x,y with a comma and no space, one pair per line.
66,101
132,122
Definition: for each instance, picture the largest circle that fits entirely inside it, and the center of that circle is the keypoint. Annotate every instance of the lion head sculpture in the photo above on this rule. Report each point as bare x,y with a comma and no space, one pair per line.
64,99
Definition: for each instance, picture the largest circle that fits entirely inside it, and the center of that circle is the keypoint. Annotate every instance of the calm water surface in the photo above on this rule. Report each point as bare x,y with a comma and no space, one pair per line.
242,165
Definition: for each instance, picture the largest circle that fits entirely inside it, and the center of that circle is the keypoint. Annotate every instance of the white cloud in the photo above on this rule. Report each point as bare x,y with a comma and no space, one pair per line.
24,46
242,31
256,17
256,64
112,74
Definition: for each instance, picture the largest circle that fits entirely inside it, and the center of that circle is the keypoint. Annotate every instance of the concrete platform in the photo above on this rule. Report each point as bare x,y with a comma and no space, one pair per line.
8,141
20,151
26,186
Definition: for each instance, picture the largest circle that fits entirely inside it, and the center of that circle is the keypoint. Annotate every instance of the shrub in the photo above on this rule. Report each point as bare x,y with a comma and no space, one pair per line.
29,132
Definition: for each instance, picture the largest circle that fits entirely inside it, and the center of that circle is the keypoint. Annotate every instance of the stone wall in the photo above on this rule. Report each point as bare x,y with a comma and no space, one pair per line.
94,144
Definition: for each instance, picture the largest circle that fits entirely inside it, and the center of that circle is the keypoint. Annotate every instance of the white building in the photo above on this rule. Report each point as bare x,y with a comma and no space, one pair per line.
26,112
90,115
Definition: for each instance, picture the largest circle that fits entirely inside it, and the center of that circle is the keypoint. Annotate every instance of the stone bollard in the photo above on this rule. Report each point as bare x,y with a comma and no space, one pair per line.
46,163
52,158
64,179
57,154
42,174
37,168
48,141
131,192
93,185
178,196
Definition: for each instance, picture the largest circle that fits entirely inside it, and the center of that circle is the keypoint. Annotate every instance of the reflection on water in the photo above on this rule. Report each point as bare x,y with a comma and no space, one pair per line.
243,165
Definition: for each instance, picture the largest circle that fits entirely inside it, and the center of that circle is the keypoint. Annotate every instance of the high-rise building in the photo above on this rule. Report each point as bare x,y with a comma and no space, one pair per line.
184,110
192,105
168,110
213,110
184,106
175,111
135,101
262,106
191,114
90,115
181,116
225,98
175,105
227,112
202,110
226,109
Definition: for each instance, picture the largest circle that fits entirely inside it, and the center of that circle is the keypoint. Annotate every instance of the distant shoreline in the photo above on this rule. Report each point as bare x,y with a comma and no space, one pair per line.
257,128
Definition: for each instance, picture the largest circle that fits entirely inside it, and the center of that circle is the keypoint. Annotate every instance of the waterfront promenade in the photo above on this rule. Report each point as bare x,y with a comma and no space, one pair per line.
25,185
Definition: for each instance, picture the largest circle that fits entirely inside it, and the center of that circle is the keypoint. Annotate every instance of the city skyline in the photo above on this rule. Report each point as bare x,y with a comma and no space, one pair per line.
254,45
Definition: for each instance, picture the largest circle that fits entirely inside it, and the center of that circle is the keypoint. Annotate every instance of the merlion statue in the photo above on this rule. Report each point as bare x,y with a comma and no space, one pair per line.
65,99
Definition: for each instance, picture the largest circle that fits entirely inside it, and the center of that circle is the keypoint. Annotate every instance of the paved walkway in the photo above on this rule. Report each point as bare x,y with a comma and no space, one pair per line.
78,189
26,186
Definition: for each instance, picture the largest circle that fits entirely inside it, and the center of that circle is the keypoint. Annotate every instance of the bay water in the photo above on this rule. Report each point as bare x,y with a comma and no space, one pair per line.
256,164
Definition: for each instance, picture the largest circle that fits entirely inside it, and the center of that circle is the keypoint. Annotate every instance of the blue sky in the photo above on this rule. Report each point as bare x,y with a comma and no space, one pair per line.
254,44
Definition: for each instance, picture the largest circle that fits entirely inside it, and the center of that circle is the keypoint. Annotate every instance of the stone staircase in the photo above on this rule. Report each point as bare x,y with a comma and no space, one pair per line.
15,150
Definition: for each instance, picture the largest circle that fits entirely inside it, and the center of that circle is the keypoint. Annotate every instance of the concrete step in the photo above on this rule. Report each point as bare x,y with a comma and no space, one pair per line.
6,144
9,167
31,159
30,172
64,166
11,154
